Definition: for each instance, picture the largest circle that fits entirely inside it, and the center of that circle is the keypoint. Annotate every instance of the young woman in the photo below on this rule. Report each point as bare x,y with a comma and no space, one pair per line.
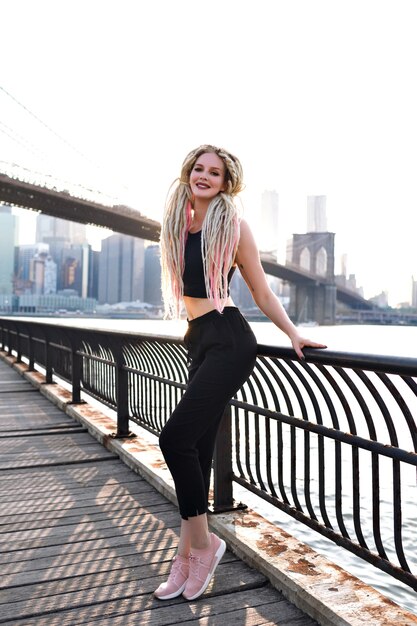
203,240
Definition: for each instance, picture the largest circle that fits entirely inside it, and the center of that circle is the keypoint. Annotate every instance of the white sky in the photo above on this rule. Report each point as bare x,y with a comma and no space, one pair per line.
314,97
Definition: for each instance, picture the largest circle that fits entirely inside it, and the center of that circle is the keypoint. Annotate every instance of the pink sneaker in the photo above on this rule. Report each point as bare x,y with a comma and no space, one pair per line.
177,578
202,568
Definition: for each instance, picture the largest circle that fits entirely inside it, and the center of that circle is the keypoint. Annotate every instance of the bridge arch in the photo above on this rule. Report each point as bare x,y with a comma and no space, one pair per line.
321,262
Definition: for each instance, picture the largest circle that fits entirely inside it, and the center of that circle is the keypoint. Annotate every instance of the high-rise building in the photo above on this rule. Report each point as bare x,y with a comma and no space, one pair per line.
43,274
414,292
48,227
50,276
8,241
316,214
24,255
93,268
268,224
343,264
152,286
65,240
121,270
71,268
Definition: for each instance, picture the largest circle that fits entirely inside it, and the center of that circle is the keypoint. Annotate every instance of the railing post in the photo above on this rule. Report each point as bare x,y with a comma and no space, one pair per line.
122,390
31,352
9,343
76,371
223,468
48,362
18,346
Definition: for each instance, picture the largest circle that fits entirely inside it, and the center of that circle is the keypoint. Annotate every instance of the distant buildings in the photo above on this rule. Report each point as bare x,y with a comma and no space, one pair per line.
60,271
8,239
380,300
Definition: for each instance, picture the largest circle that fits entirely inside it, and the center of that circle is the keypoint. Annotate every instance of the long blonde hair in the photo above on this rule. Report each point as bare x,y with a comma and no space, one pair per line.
219,235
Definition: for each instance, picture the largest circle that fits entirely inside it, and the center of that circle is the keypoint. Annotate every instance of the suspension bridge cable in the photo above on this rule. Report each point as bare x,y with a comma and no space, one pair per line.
67,143
57,135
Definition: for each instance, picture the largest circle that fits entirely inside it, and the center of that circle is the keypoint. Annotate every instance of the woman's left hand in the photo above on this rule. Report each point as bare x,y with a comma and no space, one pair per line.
298,343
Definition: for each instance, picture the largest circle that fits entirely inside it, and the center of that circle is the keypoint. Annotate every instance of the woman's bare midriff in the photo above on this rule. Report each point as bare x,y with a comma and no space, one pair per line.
196,307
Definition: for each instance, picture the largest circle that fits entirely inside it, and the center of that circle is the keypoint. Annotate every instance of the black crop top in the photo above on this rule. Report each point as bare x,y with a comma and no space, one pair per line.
193,276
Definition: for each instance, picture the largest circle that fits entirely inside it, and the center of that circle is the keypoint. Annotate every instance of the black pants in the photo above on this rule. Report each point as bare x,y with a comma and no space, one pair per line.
222,352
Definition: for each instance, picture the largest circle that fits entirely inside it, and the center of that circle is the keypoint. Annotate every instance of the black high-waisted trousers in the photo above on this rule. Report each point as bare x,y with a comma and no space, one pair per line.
222,353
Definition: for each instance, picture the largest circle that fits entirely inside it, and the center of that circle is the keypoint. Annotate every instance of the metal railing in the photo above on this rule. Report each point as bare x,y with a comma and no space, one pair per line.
331,441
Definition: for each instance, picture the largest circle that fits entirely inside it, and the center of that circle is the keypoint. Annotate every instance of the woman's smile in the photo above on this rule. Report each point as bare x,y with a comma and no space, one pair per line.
207,178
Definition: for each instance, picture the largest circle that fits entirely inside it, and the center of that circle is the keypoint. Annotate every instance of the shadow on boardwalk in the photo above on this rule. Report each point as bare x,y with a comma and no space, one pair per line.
85,540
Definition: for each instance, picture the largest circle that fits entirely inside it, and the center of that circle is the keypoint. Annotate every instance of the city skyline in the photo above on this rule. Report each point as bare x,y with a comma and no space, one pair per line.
307,112
315,220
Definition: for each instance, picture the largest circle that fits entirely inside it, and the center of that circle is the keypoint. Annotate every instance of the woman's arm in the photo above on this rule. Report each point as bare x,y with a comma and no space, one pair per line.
249,264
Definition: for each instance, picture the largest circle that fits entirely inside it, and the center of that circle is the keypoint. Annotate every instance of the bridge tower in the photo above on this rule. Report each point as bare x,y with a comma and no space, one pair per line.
314,252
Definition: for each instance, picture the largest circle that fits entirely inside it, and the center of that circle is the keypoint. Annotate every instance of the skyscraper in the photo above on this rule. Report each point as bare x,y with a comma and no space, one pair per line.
152,287
414,292
48,227
316,214
8,241
25,254
121,269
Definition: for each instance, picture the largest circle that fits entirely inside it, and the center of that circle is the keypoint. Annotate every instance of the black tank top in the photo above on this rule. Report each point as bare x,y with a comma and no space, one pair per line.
193,276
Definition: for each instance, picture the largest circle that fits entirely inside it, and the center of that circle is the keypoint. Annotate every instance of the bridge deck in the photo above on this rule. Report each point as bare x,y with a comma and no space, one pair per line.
85,540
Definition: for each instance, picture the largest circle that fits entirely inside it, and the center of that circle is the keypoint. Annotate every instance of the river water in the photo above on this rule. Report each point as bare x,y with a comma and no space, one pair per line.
366,339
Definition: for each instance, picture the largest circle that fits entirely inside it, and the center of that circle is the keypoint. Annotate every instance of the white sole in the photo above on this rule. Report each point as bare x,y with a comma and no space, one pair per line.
172,595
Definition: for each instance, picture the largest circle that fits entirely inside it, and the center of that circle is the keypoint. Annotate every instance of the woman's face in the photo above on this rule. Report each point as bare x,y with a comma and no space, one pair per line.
207,177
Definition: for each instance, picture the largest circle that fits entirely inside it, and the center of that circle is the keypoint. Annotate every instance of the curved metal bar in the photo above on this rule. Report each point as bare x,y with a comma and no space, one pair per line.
300,376
410,421
355,465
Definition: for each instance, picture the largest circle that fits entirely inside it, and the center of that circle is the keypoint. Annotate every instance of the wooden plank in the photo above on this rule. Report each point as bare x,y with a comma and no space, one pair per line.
104,489
34,432
47,558
57,571
59,441
86,526
141,610
109,540
13,387
99,533
44,491
29,600
54,516
71,477
50,456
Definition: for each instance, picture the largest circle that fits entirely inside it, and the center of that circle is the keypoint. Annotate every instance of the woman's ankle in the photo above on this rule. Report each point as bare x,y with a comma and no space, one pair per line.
184,554
201,545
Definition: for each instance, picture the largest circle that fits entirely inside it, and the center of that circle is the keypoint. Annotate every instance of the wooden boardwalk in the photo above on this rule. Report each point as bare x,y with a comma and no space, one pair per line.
85,540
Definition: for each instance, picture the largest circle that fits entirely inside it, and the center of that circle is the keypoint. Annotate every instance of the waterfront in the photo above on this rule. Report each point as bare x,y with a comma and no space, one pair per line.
398,341
362,338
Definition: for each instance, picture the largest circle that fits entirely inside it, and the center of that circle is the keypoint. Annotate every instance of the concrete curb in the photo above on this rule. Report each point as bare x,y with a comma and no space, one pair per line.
321,589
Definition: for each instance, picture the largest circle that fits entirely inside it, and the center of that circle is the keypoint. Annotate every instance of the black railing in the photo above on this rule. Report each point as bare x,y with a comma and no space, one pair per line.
331,441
